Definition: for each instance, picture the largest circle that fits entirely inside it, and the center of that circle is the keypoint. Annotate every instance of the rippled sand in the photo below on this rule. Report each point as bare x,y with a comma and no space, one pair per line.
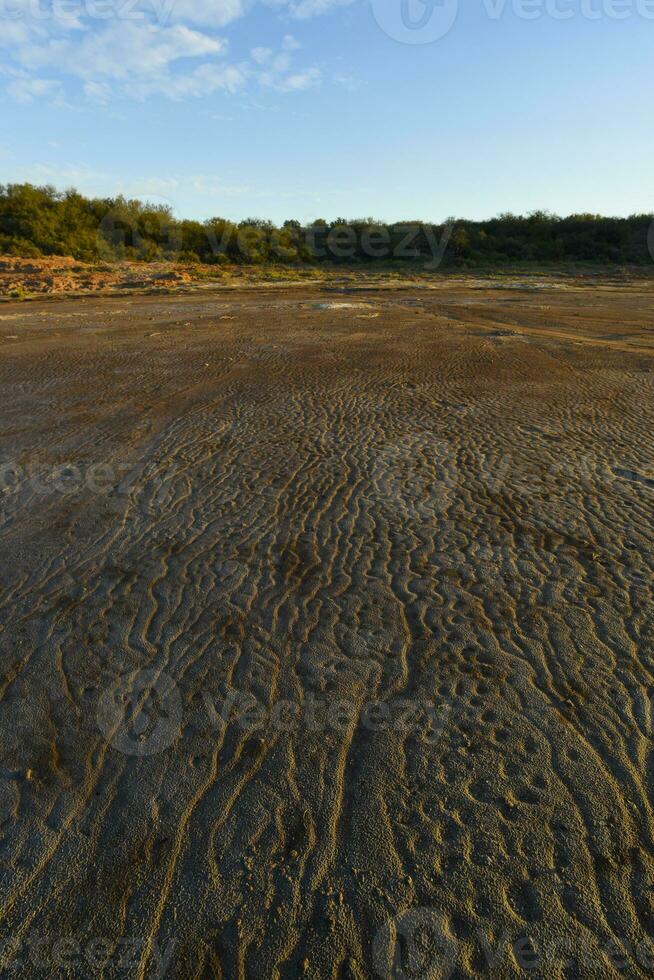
282,507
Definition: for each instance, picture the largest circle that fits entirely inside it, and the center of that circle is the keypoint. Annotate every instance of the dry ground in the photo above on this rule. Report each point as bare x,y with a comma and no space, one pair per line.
301,503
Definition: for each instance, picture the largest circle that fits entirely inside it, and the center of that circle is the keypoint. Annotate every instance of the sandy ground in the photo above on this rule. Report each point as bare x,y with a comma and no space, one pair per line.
59,275
326,636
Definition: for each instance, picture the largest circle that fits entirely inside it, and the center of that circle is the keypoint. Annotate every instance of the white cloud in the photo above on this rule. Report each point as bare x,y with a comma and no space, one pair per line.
349,82
292,81
28,89
301,80
161,189
120,51
159,47
261,55
277,71
202,81
210,187
290,43
132,60
208,13
98,91
78,173
14,33
305,9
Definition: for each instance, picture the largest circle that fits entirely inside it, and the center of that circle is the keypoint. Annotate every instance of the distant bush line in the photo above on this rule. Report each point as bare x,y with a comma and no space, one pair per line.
41,221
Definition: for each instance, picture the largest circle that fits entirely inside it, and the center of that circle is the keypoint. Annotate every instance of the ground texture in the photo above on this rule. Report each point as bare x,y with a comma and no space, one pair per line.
234,523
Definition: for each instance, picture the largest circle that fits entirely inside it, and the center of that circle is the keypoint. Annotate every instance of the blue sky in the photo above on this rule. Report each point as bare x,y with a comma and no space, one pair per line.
326,108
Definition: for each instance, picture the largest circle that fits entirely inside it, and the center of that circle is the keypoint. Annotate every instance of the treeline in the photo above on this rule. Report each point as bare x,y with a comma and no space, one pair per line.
36,221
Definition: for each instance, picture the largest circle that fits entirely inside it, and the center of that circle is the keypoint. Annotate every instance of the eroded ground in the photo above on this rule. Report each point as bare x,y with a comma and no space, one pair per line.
302,503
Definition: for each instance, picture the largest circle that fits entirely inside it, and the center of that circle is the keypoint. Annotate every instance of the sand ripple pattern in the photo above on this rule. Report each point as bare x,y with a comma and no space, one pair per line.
448,504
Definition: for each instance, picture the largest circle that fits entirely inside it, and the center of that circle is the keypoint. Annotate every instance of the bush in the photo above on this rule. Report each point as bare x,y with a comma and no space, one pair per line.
38,221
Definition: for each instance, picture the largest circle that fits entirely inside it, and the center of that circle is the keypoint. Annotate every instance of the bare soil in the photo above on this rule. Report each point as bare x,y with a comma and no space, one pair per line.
326,632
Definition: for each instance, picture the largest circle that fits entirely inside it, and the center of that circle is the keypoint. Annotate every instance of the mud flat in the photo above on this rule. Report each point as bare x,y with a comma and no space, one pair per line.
326,639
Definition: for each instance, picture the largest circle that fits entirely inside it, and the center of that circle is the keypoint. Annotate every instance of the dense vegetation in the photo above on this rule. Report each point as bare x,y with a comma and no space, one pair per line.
37,221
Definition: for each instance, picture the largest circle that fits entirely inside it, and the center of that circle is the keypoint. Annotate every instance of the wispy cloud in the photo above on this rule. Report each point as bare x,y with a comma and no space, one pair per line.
162,47
202,81
305,9
349,82
121,51
165,188
277,68
298,81
207,13
29,89
290,43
